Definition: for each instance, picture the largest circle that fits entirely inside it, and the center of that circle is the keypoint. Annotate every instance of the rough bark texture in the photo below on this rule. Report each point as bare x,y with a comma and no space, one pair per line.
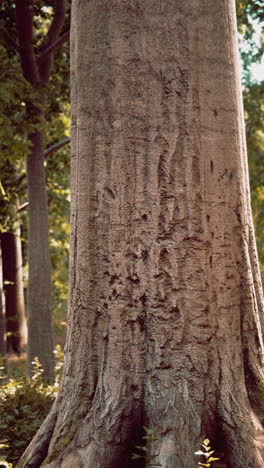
16,326
166,307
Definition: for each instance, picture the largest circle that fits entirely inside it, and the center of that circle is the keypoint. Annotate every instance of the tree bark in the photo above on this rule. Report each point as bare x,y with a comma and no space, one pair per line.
16,326
166,307
3,362
39,318
23,332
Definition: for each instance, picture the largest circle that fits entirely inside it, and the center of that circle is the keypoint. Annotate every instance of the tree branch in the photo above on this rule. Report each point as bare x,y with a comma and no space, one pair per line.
65,37
55,147
24,22
57,22
20,180
22,207
51,149
52,35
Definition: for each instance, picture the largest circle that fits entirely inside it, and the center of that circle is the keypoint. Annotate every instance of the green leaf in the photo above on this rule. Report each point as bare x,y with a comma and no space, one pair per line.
149,431
135,456
2,190
208,454
20,443
141,447
206,447
3,446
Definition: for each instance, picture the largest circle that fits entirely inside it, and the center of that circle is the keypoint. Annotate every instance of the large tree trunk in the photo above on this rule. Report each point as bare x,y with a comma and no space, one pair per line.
166,307
40,342
16,326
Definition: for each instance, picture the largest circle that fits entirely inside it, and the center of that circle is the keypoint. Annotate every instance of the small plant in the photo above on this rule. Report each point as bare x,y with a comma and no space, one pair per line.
59,361
37,371
148,437
23,406
207,454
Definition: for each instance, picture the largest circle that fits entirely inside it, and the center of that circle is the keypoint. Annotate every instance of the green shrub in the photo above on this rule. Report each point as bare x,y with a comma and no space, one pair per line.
24,404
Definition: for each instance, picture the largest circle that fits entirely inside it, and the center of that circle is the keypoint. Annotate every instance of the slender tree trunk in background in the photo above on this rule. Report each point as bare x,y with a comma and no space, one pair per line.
2,315
23,332
16,326
40,343
37,71
166,306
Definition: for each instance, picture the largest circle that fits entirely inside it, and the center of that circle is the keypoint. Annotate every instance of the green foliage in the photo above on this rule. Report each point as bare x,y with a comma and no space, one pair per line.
249,17
23,406
254,118
142,449
24,403
14,91
207,454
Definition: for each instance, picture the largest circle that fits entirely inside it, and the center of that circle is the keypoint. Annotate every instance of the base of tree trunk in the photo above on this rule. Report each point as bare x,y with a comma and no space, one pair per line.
107,435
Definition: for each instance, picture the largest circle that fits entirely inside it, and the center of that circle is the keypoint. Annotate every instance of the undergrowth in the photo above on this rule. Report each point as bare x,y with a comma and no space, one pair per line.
24,404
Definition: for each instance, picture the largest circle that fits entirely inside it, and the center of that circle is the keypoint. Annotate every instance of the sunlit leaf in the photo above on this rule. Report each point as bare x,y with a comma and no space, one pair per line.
206,441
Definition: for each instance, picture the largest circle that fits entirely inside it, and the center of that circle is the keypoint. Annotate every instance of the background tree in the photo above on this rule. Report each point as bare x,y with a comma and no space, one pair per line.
166,307
16,326
51,127
2,316
37,73
12,264
13,144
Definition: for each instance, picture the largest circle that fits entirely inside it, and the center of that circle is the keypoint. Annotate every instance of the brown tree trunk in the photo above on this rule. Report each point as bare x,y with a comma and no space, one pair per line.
3,361
40,343
23,333
37,71
16,326
166,305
